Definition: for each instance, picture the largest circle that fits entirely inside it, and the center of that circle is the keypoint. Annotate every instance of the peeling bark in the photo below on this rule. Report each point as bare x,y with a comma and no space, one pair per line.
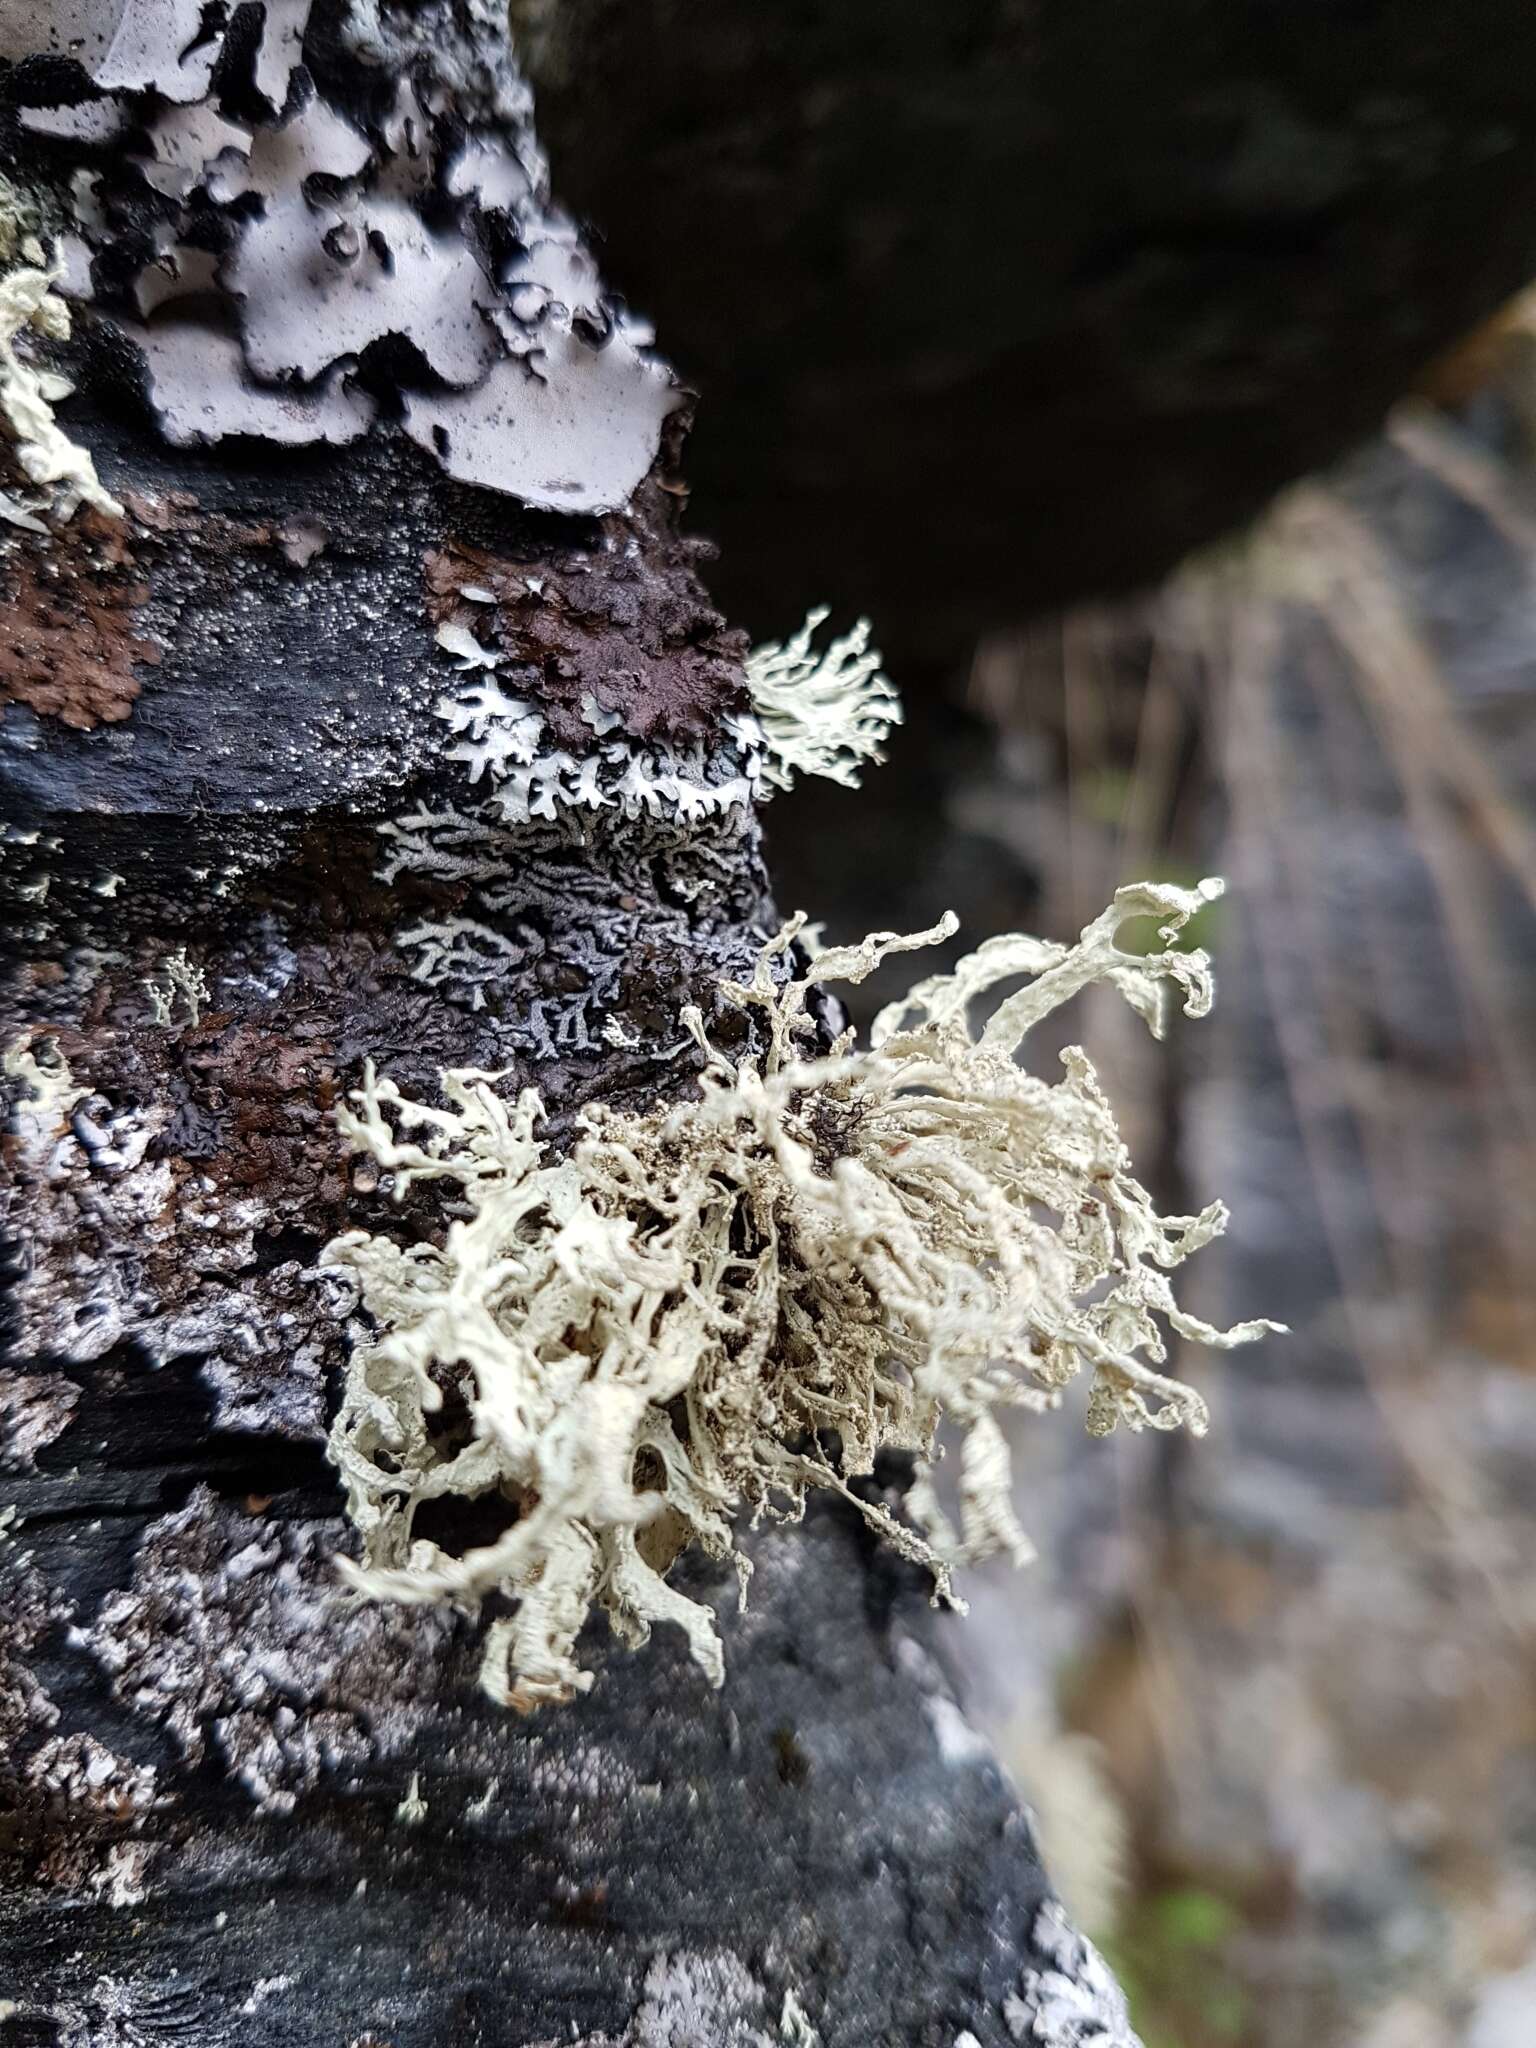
355,738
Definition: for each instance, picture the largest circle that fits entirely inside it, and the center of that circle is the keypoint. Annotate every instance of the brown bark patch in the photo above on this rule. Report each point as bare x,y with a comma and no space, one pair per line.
72,601
181,513
627,625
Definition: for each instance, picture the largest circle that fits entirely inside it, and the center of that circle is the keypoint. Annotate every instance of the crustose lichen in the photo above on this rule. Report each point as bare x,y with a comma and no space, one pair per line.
638,1342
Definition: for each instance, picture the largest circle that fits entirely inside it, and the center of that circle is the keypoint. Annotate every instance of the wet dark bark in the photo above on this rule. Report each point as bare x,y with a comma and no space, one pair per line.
231,1809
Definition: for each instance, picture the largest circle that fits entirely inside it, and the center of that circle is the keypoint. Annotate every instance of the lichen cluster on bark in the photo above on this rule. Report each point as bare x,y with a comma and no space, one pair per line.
363,402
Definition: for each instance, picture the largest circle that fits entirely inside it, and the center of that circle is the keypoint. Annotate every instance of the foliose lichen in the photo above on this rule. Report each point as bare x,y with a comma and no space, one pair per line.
714,1307
301,202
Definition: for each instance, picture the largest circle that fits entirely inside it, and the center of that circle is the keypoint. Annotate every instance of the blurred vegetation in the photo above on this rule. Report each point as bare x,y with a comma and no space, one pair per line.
1304,1650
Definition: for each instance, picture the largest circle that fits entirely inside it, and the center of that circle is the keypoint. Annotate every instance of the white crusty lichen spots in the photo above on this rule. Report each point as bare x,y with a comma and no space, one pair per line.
795,2028
95,1789
822,711
1069,1998
649,1332
346,230
181,979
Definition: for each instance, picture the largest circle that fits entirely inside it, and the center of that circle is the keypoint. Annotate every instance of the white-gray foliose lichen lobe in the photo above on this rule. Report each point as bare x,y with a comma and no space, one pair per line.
350,203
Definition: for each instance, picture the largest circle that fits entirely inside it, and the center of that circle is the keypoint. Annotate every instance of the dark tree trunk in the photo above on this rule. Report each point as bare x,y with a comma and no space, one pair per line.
355,398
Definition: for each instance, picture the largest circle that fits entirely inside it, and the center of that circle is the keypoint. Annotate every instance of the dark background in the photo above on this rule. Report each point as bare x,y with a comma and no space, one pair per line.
1009,322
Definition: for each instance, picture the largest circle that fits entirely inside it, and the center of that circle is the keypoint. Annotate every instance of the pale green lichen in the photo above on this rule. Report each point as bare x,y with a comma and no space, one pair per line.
822,711
181,979
412,1810
44,1095
60,473
637,1343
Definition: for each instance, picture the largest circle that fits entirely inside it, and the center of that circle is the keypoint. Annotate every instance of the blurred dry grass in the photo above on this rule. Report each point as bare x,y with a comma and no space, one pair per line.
1274,1695
1308,1649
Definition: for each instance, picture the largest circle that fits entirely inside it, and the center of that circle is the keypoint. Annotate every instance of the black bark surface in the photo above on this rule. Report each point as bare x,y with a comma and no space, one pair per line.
657,1863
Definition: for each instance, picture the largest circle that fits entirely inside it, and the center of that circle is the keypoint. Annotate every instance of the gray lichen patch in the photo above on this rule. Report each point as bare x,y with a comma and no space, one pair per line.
200,391
29,1609
232,1637
1066,1992
82,1773
550,966
320,285
86,1809
693,1996
705,1997
123,1239
343,244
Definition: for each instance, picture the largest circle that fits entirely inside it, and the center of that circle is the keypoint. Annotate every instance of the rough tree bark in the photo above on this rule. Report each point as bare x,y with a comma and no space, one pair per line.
353,391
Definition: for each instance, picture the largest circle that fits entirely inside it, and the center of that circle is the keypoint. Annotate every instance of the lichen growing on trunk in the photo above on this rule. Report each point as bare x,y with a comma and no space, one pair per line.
634,1344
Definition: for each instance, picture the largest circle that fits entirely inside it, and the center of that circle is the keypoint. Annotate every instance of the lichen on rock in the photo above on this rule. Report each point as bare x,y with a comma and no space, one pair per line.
721,1304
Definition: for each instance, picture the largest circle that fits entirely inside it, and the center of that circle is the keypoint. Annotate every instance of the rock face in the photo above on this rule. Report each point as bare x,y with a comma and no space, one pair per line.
1010,302
361,700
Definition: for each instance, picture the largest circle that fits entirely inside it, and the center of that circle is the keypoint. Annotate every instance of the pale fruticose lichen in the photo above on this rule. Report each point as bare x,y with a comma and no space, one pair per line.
822,712
181,979
714,1307
59,476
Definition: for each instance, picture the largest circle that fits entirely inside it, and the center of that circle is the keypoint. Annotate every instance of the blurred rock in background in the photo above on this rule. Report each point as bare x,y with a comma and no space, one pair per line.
1274,1695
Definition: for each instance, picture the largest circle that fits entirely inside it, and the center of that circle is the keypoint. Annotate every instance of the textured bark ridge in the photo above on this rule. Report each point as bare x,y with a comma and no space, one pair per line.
363,700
